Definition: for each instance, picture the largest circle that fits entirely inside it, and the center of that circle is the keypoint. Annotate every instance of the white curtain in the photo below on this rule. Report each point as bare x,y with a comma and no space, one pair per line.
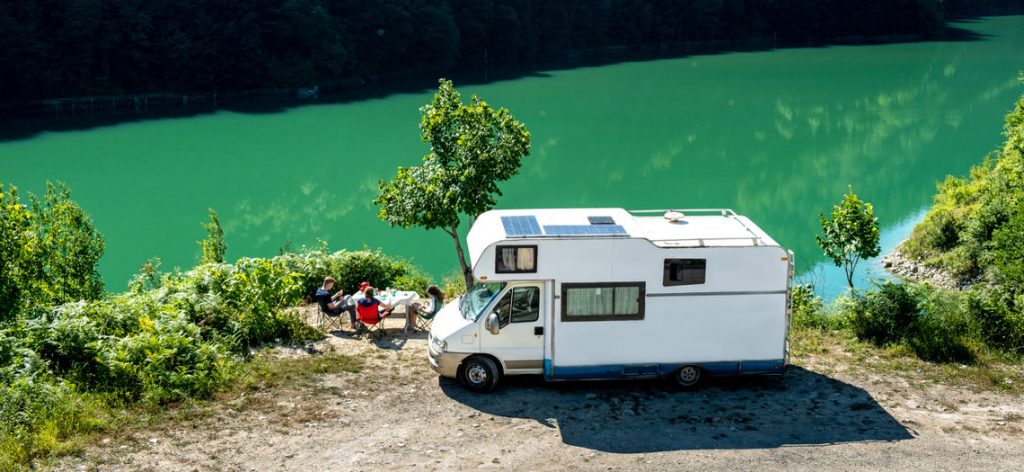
508,258
627,300
591,301
526,259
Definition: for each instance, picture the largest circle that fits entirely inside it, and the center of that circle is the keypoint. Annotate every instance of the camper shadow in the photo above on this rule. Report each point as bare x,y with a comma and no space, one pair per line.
803,408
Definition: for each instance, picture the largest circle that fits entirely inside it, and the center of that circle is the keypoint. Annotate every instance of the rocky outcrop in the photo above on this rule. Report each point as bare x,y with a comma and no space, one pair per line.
898,264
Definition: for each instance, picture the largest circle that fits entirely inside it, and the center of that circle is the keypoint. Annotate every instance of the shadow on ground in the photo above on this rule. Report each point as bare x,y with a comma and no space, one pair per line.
803,408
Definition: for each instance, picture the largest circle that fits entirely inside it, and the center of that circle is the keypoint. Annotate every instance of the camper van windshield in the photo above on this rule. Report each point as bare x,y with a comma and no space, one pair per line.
473,302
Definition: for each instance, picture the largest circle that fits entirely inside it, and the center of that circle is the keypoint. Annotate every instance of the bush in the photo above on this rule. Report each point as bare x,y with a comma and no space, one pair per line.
808,311
351,268
885,315
999,317
166,361
943,332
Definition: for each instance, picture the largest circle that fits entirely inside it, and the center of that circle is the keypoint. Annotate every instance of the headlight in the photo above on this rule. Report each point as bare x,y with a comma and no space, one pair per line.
439,345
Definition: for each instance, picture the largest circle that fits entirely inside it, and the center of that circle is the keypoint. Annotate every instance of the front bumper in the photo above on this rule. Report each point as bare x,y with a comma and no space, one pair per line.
445,364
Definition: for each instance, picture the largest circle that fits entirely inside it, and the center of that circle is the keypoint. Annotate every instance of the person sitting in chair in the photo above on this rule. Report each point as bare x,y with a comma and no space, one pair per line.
428,310
337,303
371,309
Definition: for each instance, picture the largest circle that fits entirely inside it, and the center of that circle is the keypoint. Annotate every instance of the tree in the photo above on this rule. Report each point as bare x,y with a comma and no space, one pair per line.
472,148
69,248
213,246
15,234
851,234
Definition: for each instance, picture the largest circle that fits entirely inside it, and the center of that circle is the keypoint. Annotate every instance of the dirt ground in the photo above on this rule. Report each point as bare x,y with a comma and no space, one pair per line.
396,414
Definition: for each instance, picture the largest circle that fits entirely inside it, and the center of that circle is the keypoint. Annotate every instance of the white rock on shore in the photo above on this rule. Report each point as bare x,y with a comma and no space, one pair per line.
905,268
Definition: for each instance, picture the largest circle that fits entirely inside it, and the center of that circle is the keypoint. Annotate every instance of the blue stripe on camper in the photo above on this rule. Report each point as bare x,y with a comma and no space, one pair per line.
616,371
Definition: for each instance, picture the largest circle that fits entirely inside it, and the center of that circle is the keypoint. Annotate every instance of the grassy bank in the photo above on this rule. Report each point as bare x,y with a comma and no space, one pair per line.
66,370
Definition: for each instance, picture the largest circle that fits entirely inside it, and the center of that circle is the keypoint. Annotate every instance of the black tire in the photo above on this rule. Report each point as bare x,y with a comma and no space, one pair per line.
479,374
688,376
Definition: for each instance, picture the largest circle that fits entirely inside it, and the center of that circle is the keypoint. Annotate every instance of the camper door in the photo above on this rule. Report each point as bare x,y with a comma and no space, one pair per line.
519,342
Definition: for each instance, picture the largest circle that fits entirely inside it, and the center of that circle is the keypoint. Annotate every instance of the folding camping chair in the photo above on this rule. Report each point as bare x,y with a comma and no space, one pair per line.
425,318
372,319
324,317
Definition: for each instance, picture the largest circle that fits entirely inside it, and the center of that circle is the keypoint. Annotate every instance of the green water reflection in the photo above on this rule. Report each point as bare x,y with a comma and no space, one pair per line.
775,135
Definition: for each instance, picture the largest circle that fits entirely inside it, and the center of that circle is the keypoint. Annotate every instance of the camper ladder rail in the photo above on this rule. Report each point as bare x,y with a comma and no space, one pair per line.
688,211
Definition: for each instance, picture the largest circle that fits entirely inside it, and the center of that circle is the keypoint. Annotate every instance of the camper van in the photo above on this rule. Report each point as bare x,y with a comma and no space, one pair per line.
606,293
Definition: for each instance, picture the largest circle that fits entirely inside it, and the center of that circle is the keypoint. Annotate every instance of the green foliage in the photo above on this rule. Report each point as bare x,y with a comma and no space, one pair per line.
472,148
934,324
148,277
999,315
850,234
886,315
15,248
1007,252
944,331
975,230
808,310
351,268
69,249
963,233
213,246
65,351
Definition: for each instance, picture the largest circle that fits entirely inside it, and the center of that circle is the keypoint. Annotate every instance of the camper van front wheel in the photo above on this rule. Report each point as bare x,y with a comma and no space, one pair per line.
479,374
688,376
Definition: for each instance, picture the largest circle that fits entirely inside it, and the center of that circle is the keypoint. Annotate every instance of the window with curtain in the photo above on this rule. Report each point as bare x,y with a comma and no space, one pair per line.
515,259
603,301
684,271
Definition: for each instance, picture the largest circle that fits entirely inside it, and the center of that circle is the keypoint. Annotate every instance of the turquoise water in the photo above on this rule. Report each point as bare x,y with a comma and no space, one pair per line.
776,135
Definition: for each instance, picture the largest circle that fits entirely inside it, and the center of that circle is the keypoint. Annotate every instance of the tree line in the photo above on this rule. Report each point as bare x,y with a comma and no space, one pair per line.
66,48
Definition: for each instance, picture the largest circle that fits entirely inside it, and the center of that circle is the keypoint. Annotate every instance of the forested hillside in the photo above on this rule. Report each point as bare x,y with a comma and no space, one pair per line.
58,48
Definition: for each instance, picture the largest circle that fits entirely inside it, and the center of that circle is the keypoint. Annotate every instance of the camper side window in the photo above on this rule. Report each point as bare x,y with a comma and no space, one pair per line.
685,271
519,305
603,301
515,259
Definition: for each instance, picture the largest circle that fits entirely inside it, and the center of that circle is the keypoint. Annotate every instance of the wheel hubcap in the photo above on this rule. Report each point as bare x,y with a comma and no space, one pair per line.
476,374
688,375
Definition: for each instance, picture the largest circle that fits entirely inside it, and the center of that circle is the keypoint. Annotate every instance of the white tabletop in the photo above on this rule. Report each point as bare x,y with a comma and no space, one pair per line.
399,298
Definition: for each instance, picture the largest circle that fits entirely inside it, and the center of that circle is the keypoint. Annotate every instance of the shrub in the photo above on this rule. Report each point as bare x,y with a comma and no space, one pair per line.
166,361
999,317
943,332
14,253
213,246
808,311
885,315
69,248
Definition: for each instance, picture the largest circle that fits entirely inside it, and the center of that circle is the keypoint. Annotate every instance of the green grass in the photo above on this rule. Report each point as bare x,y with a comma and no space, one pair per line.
991,371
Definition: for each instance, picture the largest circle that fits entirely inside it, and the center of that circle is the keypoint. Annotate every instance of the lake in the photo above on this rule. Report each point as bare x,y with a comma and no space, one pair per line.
776,135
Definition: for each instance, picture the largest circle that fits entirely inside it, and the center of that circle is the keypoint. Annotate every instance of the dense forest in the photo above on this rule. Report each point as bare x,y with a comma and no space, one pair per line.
65,48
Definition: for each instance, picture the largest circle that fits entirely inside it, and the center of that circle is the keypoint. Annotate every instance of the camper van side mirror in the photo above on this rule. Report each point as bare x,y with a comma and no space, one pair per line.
492,324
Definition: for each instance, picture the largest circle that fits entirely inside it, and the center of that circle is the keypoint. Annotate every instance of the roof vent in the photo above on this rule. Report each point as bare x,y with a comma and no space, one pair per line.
674,216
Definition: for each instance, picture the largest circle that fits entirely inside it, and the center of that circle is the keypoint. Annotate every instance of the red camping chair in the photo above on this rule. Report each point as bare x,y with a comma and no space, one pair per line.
371,317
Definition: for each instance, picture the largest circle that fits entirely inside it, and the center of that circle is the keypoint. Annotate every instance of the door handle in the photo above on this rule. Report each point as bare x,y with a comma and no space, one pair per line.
538,330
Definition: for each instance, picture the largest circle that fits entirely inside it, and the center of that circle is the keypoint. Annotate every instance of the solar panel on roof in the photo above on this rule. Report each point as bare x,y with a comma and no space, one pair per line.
600,220
584,230
521,226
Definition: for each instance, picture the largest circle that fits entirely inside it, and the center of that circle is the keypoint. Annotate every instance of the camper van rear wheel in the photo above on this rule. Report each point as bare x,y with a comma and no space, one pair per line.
479,374
689,376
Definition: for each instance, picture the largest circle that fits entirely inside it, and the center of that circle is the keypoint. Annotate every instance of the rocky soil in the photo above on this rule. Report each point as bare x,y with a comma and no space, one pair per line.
828,413
906,268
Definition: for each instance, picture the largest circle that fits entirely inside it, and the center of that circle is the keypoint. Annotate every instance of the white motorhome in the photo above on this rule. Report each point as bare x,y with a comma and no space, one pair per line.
609,293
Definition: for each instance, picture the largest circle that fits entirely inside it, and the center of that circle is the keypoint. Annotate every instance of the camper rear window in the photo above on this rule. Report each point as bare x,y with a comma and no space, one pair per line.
685,271
515,259
603,301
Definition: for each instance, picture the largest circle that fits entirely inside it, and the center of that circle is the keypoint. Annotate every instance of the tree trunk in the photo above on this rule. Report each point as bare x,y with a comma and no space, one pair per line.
467,273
